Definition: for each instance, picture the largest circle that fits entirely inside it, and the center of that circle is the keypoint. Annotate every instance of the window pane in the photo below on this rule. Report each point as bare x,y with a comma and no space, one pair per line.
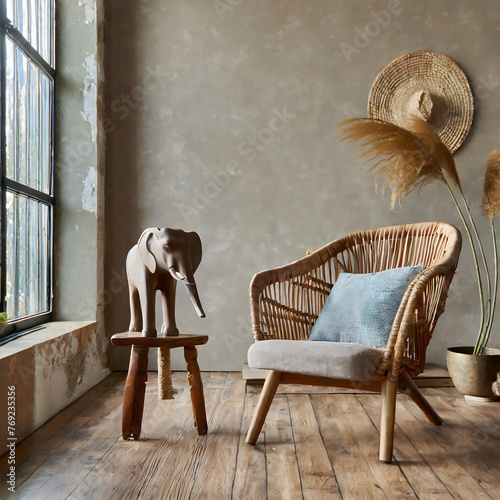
33,128
28,111
27,256
34,19
22,20
45,135
10,9
33,24
17,91
10,110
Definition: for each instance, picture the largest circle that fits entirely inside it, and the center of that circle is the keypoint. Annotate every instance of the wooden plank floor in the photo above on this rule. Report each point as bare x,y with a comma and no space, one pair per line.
312,446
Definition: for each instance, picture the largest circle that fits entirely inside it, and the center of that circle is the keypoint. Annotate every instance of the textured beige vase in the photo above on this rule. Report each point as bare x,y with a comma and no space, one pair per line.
473,375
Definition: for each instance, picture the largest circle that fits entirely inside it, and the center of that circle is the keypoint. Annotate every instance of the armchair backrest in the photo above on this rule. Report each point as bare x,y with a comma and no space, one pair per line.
285,302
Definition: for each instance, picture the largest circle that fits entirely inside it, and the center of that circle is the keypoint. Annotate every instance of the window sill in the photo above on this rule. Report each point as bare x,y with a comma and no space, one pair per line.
48,332
50,368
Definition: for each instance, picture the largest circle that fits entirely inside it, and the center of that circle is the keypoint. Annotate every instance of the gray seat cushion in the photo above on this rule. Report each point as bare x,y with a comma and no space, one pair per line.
320,358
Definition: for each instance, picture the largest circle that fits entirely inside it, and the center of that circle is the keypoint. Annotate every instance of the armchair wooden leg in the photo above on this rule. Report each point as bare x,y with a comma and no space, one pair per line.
266,398
387,419
419,399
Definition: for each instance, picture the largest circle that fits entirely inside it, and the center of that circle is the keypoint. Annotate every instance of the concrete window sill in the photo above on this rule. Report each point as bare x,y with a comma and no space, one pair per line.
49,368
50,331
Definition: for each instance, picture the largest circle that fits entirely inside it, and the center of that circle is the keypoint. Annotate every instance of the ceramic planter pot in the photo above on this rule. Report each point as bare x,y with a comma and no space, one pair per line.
473,375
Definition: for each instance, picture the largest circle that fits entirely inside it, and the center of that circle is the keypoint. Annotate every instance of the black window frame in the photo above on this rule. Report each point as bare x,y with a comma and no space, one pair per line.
8,30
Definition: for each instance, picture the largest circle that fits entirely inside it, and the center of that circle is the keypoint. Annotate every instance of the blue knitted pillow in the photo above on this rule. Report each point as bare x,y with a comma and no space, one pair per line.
361,308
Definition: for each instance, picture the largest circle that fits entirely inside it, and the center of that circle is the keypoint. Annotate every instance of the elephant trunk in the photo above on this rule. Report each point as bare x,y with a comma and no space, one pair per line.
195,299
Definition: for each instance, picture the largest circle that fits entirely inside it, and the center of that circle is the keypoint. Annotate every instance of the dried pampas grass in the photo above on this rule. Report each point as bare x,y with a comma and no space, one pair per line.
436,147
407,160
491,197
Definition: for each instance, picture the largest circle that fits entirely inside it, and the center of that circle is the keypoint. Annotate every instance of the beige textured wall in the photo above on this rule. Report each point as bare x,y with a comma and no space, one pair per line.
222,119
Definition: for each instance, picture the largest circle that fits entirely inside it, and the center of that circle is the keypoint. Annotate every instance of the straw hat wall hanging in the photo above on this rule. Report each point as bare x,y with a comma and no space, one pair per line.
429,85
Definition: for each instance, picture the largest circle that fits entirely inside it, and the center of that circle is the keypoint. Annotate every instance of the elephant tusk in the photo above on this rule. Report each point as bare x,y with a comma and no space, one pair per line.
178,275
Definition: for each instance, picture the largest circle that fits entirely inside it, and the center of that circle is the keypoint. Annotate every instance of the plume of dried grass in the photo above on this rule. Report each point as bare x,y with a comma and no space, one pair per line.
491,197
491,206
437,148
406,160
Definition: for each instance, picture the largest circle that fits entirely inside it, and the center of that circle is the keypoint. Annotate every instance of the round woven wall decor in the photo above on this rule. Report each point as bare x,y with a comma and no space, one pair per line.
427,84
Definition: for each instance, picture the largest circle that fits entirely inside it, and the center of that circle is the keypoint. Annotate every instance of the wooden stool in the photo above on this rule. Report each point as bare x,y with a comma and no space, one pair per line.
135,385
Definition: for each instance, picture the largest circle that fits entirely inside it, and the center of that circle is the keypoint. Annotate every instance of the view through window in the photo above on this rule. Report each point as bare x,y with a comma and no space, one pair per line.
27,128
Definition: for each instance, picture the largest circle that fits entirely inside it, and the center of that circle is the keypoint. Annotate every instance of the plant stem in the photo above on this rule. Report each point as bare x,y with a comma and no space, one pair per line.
482,339
486,338
481,250
476,263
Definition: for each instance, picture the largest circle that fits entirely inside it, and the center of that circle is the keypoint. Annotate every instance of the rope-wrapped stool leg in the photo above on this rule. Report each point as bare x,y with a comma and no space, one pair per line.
165,387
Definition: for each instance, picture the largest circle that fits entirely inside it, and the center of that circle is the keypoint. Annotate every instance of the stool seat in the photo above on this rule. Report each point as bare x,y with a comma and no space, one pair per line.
136,338
135,384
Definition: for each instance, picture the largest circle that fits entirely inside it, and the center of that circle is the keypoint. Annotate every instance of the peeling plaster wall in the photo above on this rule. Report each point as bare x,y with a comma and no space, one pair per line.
66,368
76,162
222,119
79,166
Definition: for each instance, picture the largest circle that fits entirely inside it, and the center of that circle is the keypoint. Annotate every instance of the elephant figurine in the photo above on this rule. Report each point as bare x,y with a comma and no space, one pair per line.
161,258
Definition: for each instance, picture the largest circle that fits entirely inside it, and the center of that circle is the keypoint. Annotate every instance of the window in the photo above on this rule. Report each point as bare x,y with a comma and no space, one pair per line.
27,131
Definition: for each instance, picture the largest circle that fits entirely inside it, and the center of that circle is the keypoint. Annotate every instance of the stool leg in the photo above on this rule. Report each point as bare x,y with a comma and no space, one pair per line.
196,388
135,391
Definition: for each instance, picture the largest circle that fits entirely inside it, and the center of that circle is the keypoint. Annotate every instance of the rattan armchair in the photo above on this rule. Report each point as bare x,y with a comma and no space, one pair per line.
285,303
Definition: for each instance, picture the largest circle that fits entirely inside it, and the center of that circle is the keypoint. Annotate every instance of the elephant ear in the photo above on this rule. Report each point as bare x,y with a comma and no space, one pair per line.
145,253
195,250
